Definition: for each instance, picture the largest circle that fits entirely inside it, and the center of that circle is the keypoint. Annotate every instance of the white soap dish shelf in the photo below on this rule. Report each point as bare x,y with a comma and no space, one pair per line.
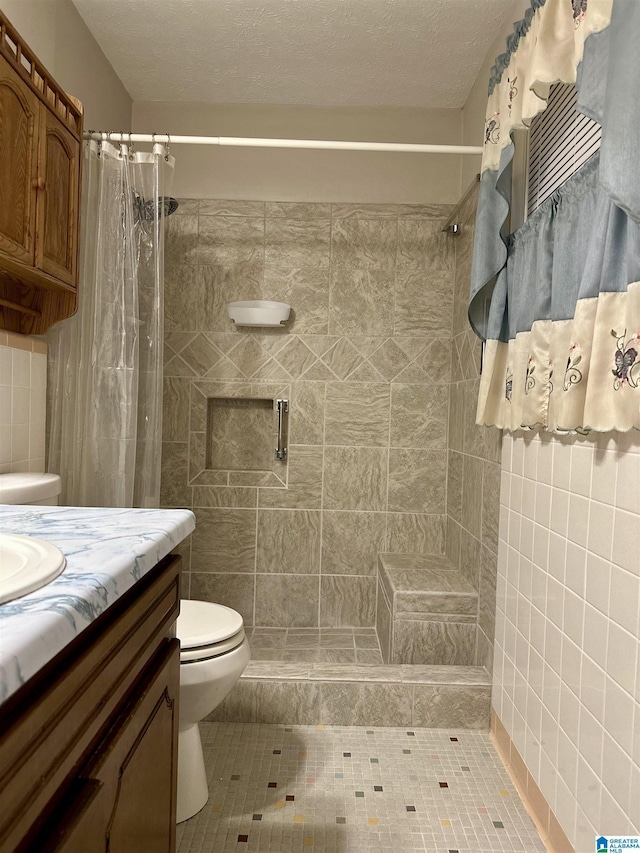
259,312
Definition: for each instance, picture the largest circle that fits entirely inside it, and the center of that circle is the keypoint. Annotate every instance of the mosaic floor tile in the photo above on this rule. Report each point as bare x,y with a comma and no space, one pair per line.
283,790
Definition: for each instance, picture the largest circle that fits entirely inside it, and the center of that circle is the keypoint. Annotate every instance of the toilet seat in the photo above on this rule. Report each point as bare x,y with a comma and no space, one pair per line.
207,630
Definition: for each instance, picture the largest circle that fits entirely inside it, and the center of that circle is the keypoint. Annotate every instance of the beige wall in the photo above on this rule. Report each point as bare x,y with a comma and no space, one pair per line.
61,40
289,175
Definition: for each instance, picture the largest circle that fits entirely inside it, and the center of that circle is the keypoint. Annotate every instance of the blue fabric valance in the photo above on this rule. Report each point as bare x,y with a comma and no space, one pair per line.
558,301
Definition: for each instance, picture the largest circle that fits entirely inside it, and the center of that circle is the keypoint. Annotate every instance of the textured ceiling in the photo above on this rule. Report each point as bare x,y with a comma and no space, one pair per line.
416,53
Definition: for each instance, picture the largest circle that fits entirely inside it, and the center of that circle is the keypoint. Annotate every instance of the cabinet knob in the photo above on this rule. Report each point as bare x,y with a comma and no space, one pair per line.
39,184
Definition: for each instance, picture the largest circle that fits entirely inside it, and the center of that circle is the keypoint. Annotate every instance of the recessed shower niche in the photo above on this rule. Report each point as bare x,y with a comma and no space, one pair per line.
238,434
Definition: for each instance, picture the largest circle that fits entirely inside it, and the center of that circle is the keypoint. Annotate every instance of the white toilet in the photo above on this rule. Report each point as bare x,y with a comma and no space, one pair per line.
213,654
30,489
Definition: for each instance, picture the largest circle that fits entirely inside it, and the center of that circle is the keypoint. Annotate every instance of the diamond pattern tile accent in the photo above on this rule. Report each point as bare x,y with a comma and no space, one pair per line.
225,369
248,356
343,358
366,373
412,346
177,341
201,355
366,346
295,357
177,367
319,344
319,372
389,359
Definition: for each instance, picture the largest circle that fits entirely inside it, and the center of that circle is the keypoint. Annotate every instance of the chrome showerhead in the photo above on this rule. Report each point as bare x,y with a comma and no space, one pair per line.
148,210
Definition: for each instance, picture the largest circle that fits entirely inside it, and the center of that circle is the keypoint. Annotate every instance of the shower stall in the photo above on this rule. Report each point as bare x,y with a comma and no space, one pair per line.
364,561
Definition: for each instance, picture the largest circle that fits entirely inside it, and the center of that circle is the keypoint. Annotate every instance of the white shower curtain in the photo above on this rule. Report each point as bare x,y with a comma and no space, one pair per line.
105,363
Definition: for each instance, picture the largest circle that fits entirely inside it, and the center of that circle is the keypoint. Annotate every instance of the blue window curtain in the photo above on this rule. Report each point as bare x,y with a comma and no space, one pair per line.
558,302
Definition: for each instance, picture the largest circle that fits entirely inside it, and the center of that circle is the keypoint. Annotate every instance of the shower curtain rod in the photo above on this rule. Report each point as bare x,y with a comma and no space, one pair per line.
251,142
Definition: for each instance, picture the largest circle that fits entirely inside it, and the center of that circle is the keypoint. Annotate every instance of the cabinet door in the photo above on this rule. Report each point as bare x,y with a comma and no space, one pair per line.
19,111
57,218
123,800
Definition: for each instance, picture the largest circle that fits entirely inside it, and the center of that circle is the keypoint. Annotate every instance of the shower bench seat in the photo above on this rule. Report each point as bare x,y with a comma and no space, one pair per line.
427,611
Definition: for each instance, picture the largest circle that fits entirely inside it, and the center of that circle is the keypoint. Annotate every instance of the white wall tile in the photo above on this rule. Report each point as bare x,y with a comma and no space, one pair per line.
569,656
613,820
581,467
578,526
601,529
561,465
604,477
5,405
545,461
634,812
592,688
530,458
22,410
38,371
626,540
20,405
575,569
5,366
557,556
19,443
21,368
616,772
590,741
596,636
622,652
597,582
624,599
5,444
559,512
618,715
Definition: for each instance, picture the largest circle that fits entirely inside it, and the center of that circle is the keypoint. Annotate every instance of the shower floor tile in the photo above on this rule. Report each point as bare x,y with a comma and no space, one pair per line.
277,789
316,645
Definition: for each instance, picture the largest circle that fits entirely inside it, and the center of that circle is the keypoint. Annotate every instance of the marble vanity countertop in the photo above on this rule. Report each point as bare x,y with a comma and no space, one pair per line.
107,551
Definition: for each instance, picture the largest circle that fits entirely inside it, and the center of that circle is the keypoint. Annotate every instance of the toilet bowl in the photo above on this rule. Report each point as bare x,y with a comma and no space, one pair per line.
213,654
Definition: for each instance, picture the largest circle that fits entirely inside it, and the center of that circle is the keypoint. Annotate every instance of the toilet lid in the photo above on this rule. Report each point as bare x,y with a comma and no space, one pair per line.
202,623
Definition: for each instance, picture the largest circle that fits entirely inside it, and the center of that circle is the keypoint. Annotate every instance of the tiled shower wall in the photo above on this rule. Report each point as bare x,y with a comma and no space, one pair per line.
473,472
366,363
567,659
23,391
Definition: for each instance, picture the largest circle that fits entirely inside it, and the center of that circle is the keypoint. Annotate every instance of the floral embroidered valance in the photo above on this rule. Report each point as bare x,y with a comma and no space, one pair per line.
558,301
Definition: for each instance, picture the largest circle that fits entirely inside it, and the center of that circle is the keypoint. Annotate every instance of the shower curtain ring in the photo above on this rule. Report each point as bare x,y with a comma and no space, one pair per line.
166,156
132,149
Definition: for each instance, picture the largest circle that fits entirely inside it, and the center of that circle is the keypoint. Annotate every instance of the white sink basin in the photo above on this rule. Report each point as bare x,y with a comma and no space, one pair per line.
26,564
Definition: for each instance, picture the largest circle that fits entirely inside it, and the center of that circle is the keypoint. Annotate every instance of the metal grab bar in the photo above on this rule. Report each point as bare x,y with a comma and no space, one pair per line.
282,407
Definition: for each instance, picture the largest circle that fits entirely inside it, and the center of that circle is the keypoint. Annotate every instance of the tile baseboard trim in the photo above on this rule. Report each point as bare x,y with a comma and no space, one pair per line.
534,800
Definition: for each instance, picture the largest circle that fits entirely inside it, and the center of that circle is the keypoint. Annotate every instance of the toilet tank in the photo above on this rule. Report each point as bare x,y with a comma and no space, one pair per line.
33,489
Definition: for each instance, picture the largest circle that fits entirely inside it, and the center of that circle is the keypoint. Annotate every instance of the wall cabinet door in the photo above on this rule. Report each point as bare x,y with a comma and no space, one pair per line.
57,214
19,116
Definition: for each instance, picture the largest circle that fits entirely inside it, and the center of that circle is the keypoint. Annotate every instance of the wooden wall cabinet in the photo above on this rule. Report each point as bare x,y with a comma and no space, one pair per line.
88,747
40,164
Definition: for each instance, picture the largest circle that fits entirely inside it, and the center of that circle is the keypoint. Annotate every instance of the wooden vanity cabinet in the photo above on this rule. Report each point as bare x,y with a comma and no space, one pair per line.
40,164
88,747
